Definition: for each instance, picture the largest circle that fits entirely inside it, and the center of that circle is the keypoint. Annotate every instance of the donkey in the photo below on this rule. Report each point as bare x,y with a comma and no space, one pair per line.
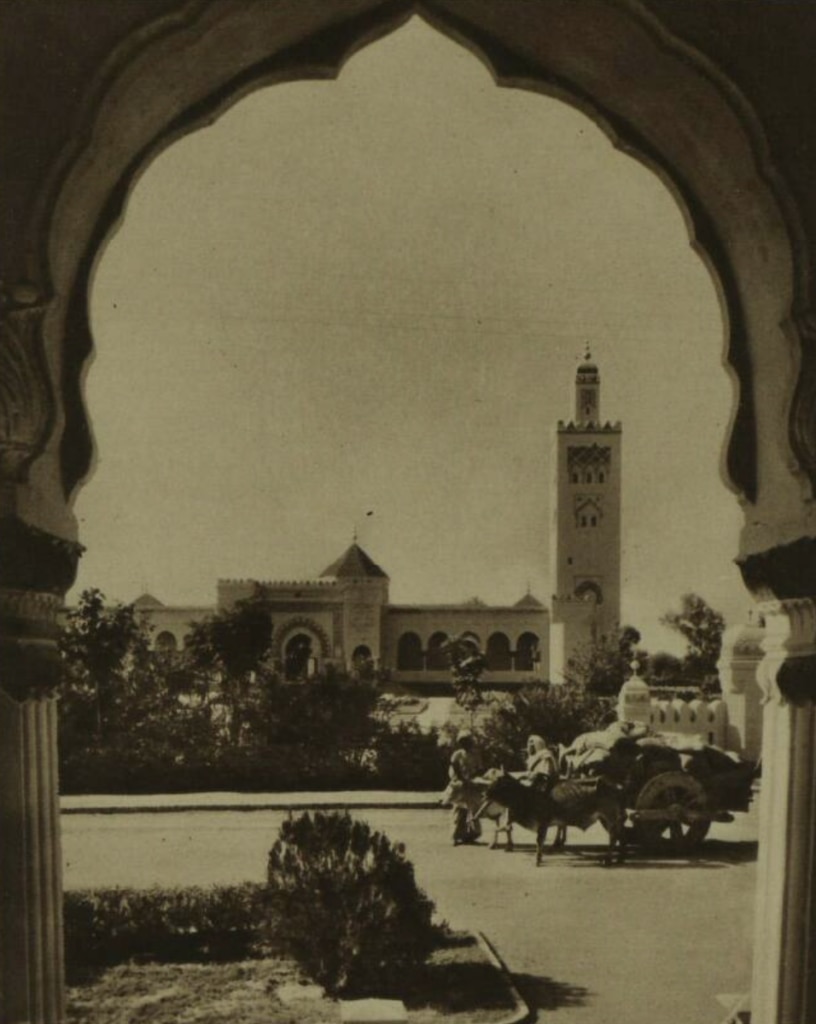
565,803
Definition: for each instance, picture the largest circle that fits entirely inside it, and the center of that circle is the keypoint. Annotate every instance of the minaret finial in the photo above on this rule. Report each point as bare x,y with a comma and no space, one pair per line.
587,353
354,534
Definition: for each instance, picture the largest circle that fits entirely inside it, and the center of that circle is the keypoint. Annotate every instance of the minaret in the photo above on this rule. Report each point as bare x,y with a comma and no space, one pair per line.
586,535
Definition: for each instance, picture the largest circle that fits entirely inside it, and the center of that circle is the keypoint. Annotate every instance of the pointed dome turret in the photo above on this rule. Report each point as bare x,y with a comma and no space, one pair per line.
354,563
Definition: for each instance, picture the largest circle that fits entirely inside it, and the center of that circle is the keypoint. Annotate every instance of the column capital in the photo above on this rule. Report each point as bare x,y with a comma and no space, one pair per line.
787,672
29,630
36,569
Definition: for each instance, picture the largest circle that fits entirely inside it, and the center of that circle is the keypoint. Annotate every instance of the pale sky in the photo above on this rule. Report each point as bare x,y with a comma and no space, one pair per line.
370,296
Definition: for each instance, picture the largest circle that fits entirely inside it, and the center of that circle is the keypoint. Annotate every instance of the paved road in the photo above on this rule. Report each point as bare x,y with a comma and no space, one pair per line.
652,941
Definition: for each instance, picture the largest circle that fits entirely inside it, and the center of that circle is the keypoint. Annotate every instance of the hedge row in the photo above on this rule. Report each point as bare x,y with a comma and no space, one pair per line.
109,926
407,761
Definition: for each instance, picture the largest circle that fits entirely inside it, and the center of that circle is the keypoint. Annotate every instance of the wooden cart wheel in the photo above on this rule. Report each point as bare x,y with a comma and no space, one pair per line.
674,793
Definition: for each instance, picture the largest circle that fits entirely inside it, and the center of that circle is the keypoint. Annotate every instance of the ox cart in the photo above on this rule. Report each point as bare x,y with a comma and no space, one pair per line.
674,786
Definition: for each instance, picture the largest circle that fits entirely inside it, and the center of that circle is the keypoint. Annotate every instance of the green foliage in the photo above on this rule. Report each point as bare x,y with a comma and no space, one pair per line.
134,720
344,903
702,629
105,661
329,711
407,758
602,666
559,712
664,669
467,664
230,651
118,711
107,926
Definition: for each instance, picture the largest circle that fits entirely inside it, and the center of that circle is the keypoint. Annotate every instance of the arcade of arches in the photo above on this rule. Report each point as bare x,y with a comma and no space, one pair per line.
714,95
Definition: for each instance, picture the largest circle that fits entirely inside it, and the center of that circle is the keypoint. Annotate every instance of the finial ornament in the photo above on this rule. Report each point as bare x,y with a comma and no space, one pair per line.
587,353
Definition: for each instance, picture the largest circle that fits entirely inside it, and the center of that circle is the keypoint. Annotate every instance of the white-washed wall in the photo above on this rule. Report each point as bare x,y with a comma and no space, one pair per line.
707,719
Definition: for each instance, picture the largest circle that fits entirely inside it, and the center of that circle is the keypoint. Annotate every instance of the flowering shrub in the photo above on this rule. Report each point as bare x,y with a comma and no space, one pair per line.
344,903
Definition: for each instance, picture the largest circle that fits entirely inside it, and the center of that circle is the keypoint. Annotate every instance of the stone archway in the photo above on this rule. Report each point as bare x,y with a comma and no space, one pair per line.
679,115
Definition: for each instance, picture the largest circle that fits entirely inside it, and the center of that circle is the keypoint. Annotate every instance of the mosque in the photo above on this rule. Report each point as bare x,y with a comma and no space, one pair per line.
344,616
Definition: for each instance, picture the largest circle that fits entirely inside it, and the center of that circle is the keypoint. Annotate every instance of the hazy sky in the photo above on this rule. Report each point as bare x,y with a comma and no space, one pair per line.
370,296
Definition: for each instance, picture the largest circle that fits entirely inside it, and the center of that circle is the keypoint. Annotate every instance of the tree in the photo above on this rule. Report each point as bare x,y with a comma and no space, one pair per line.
116,698
602,666
102,649
702,629
230,649
559,712
467,665
664,669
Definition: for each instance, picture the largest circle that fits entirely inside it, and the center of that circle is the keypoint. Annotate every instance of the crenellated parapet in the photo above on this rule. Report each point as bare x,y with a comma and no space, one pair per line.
571,427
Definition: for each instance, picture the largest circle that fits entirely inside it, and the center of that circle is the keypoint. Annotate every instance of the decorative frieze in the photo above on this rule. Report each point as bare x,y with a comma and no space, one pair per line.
26,398
802,429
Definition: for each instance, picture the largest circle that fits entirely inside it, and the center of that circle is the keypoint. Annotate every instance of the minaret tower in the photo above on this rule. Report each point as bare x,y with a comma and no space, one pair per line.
586,536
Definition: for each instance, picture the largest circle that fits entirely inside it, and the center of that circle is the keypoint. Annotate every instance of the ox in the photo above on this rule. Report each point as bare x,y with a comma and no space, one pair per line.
568,802
471,795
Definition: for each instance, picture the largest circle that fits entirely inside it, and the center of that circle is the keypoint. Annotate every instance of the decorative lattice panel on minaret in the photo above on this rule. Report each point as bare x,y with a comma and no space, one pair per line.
588,457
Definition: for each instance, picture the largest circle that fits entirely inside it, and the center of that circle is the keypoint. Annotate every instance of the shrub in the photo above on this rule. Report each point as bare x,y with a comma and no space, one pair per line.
560,712
108,926
344,903
399,757
406,758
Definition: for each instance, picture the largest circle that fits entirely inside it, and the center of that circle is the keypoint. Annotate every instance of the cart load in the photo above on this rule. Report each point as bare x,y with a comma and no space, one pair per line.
674,785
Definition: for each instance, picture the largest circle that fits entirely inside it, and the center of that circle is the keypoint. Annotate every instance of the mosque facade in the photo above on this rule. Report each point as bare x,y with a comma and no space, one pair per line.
344,616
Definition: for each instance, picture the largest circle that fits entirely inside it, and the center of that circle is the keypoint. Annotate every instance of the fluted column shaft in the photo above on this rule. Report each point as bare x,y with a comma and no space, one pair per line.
31,947
784,976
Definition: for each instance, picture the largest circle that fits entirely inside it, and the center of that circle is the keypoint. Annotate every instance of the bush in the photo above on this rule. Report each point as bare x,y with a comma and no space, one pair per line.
398,757
406,758
108,926
344,903
559,712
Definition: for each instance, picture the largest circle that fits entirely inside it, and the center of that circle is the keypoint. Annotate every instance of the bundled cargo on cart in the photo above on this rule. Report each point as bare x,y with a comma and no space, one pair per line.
674,785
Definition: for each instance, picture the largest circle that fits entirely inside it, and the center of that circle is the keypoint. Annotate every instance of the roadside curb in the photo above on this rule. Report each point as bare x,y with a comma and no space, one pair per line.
522,1012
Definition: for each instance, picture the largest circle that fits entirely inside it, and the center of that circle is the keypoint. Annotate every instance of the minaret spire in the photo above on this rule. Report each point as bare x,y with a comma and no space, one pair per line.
587,392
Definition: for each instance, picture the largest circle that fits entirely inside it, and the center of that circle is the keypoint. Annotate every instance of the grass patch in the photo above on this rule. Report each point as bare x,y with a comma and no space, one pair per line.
457,980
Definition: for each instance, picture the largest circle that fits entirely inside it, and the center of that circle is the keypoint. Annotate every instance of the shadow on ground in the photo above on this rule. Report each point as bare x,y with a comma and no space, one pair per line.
714,853
547,994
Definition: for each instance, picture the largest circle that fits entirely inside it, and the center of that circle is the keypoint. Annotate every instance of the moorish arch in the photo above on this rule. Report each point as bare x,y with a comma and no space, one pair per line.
410,656
527,647
301,625
498,653
436,657
589,590
166,643
657,96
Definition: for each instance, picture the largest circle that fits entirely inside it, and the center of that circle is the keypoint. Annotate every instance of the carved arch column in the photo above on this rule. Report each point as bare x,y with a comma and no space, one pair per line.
784,976
36,569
